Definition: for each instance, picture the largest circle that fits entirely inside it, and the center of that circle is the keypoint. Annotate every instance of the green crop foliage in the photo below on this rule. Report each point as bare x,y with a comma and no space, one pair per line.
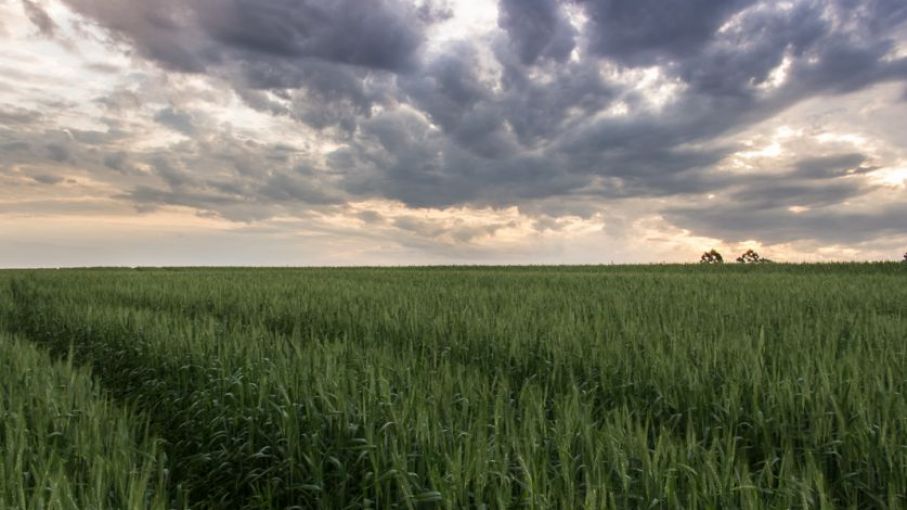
763,386
63,445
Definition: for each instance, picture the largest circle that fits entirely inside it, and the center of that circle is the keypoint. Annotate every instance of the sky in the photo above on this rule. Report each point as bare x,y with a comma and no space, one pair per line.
410,132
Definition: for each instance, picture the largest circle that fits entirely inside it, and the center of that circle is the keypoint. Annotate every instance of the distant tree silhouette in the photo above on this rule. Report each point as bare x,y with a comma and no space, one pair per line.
905,257
711,257
751,257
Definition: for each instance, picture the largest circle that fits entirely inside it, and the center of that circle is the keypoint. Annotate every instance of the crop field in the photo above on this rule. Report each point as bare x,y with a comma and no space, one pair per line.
765,386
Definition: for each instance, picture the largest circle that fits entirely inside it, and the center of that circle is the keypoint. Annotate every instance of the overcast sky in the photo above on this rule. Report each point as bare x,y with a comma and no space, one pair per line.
353,132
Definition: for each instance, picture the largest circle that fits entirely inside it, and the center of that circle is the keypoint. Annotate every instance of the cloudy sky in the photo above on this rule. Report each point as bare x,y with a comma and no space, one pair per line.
339,132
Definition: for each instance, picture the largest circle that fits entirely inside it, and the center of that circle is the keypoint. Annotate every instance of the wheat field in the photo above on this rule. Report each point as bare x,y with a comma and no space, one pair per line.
677,386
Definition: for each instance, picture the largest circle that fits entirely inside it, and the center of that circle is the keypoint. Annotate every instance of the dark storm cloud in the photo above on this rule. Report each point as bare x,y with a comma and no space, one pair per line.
834,224
744,55
649,31
39,18
541,110
58,153
810,201
198,34
722,71
173,174
12,116
370,217
831,166
47,179
236,179
486,133
212,172
537,28
334,56
296,187
385,36
176,120
116,161
875,15
448,234
760,196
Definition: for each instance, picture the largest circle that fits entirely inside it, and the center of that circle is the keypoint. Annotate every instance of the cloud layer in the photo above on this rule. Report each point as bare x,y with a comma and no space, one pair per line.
727,122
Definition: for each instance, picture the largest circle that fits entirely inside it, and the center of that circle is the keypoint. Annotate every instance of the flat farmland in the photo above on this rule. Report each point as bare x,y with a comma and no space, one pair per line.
675,386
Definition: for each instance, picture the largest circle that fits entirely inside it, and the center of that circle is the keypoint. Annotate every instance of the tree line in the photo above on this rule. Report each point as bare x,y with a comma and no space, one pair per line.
748,257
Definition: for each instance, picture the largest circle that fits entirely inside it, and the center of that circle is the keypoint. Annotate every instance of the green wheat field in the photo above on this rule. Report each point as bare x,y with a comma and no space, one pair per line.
678,386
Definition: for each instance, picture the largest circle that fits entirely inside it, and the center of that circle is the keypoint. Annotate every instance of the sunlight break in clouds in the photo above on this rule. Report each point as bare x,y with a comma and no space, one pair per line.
284,132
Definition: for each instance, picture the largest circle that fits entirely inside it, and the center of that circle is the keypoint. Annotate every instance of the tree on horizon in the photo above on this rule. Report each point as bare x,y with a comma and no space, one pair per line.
751,257
711,257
